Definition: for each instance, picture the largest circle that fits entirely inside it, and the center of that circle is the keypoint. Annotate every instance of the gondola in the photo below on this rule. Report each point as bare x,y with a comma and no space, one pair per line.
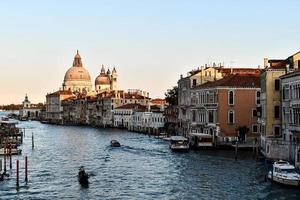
83,177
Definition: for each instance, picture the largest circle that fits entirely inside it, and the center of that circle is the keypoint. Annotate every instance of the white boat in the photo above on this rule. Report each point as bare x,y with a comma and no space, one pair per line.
284,173
179,143
13,151
199,140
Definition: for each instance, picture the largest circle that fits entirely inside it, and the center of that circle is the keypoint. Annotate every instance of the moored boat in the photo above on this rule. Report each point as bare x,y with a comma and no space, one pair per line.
179,143
14,151
284,173
201,140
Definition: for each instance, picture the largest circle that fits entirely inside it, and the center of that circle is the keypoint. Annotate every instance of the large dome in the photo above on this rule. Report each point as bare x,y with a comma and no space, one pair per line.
77,78
77,72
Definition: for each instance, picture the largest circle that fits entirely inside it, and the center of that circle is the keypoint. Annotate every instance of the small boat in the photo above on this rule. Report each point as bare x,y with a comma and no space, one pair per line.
179,143
14,151
83,177
115,143
284,173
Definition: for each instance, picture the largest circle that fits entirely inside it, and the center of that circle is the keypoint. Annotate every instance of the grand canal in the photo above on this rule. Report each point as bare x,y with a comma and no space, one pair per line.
143,168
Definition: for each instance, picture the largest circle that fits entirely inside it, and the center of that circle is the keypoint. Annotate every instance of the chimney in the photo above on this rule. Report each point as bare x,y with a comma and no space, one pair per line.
162,107
266,62
149,107
287,68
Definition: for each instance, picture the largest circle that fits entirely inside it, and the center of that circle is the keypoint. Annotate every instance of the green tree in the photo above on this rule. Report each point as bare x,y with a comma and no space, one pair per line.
171,96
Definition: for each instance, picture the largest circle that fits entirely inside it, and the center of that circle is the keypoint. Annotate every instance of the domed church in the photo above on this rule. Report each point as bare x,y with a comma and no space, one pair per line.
77,78
106,80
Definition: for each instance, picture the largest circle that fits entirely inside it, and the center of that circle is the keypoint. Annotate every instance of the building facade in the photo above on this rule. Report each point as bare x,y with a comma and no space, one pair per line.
220,108
28,110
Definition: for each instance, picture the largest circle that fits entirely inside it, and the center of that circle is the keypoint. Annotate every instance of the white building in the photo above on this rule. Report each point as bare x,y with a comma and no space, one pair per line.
123,115
28,110
150,120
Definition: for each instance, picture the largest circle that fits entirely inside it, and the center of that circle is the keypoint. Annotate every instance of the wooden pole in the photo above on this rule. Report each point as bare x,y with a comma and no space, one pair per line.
32,140
256,151
17,174
236,150
253,150
0,165
10,160
5,159
26,169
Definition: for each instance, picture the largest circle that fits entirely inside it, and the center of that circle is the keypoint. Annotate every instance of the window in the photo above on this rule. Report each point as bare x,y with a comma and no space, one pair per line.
210,116
277,130
194,82
230,117
254,128
257,97
230,98
254,113
193,115
277,85
276,112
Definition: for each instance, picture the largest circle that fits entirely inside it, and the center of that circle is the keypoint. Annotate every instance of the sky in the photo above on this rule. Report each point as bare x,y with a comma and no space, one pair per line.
151,42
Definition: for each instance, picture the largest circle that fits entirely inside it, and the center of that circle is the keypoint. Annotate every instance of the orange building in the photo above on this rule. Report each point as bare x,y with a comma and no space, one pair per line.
221,108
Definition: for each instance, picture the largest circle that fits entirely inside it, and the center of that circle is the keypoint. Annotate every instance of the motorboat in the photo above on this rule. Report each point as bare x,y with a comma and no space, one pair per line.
14,151
284,173
83,177
201,140
115,143
179,143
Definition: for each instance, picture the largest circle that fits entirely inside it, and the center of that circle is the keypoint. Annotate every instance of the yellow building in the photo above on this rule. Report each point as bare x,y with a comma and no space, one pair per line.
269,111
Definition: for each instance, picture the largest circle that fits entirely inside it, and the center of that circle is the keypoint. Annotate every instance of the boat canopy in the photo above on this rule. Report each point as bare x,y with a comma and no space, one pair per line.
178,138
201,135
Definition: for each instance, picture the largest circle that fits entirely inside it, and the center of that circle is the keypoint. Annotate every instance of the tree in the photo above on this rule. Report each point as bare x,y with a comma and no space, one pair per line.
171,96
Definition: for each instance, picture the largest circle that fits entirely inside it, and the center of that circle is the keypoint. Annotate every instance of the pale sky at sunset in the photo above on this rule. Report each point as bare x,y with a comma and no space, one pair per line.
151,42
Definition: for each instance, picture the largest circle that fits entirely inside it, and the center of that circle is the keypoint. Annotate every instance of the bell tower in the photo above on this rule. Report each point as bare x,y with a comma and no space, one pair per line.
114,77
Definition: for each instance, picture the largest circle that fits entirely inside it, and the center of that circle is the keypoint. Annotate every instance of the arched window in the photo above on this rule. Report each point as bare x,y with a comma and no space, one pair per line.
230,117
230,98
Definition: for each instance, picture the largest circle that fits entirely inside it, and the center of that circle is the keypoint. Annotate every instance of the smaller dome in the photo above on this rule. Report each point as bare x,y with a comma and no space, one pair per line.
102,80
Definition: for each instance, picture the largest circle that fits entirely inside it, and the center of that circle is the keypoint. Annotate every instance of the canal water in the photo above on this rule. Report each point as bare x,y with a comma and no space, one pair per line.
143,168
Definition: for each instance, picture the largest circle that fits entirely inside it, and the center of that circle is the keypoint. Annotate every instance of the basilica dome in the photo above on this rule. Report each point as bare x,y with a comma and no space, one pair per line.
77,78
102,80
77,71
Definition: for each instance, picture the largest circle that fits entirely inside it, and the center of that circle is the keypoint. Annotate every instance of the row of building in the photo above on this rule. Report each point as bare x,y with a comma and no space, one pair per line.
245,104
78,103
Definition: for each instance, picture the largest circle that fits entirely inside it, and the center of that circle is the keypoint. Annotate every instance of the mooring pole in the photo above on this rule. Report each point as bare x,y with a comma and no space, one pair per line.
10,160
32,140
5,159
17,174
236,150
0,165
26,169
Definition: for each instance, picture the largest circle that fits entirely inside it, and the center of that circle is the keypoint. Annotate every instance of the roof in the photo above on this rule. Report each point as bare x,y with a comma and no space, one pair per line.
61,92
178,138
234,80
291,74
132,106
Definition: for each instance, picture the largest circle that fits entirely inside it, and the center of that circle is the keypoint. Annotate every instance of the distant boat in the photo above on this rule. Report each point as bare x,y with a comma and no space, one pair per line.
179,143
115,143
83,177
284,173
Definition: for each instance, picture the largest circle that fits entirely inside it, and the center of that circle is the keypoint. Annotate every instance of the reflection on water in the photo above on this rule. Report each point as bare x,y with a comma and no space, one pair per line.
142,168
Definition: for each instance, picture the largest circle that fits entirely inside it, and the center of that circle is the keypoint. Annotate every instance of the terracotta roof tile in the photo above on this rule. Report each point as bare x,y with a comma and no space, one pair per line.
234,80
